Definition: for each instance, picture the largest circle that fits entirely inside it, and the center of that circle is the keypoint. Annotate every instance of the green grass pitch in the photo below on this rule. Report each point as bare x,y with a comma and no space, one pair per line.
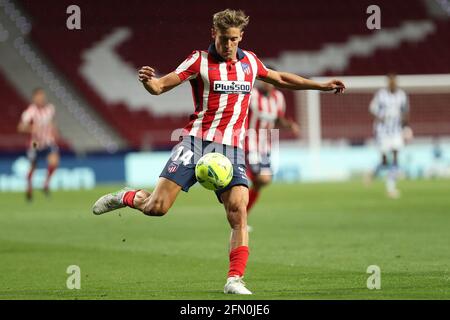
310,241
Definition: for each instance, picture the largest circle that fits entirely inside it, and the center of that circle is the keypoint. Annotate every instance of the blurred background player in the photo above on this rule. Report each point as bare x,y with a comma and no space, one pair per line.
390,109
38,121
267,110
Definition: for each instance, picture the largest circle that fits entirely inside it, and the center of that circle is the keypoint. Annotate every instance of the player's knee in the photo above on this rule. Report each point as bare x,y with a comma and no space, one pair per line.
237,207
264,180
53,160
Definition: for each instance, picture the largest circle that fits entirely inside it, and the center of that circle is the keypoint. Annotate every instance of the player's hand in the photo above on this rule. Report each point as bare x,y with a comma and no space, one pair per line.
295,129
408,134
337,85
146,74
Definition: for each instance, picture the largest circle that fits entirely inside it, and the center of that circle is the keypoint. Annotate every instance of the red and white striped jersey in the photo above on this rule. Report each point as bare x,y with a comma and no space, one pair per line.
42,121
221,91
265,109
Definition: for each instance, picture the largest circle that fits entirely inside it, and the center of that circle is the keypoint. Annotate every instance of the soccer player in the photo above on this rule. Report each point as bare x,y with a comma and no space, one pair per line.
222,78
267,110
390,109
38,121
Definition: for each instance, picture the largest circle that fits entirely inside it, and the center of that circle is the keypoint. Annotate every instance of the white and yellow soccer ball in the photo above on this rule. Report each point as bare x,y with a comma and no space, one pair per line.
214,171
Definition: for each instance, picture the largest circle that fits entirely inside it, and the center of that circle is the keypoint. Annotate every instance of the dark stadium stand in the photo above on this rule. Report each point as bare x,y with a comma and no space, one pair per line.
163,35
426,57
12,107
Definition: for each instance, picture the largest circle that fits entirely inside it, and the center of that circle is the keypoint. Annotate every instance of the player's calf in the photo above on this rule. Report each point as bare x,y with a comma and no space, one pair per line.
237,214
149,204
235,202
159,201
155,205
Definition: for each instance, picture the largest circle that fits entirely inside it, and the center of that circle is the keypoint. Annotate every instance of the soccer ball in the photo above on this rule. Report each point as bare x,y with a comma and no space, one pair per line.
214,171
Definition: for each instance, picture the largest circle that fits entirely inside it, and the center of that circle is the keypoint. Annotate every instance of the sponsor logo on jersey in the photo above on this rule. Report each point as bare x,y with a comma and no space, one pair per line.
232,87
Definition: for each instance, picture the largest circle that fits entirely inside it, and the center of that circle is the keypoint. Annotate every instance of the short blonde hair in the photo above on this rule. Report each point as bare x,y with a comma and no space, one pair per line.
230,19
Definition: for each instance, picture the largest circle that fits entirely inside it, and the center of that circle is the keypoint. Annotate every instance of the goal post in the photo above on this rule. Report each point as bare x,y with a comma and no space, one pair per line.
325,117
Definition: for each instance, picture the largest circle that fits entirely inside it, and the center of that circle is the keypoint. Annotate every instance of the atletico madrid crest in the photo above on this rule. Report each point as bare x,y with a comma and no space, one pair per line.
246,68
172,167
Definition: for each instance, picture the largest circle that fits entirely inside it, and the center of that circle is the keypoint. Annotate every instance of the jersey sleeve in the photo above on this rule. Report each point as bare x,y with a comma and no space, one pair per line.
262,70
190,67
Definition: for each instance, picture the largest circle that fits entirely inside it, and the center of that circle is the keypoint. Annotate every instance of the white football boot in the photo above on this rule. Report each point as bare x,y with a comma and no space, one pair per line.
235,285
109,202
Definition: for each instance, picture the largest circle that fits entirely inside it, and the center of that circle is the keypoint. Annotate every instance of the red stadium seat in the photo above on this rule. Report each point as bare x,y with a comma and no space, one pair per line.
163,36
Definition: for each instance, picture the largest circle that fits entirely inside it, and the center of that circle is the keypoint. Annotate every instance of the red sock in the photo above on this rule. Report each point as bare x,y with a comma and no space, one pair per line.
50,170
238,261
128,198
252,197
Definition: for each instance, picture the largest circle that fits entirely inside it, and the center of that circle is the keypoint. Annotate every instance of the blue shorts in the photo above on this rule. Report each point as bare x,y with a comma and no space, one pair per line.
261,167
34,154
180,168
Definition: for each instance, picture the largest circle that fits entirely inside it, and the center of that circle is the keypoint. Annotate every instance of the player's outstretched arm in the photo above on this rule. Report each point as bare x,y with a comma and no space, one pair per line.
286,80
157,86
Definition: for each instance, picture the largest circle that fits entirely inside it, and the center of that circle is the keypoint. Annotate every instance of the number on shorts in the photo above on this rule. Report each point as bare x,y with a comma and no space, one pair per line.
185,158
